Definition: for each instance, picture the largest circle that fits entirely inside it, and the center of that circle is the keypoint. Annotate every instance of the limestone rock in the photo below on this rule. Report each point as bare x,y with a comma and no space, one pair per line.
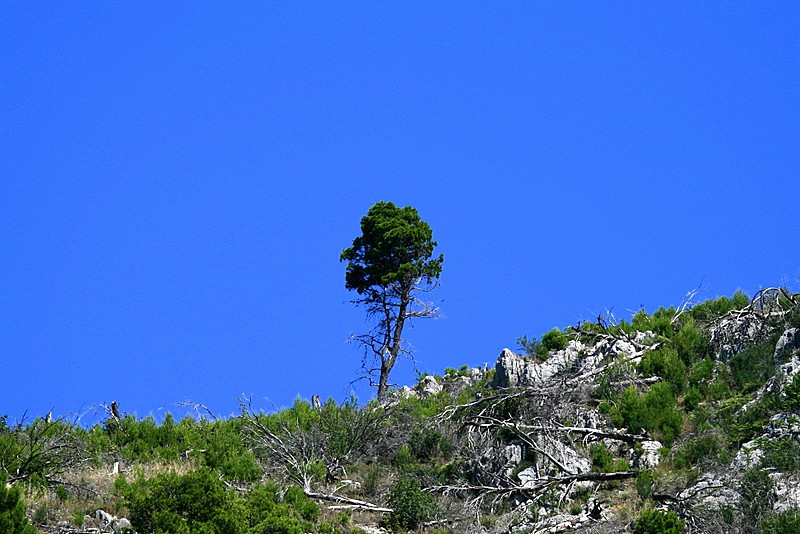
428,386
736,333
788,342
513,370
497,463
787,493
649,457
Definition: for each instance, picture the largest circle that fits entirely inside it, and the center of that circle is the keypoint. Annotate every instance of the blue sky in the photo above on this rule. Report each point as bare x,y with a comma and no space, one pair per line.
179,180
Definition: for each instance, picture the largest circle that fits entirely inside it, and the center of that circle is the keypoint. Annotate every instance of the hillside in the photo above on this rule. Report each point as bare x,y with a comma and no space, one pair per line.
685,419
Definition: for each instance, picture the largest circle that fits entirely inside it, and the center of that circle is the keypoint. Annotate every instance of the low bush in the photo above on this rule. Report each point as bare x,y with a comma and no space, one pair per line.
786,522
756,497
782,454
751,368
654,411
410,504
658,522
554,340
666,364
199,502
697,450
12,511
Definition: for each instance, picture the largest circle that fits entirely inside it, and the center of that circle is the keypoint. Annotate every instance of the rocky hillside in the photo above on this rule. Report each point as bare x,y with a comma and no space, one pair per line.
683,420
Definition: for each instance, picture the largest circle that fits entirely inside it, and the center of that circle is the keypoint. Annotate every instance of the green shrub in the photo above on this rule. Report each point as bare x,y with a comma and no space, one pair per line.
710,310
700,373
200,502
786,522
12,511
658,522
692,399
532,347
690,342
666,364
429,443
719,390
266,512
792,394
410,504
174,503
756,496
78,518
742,425
697,450
403,459
659,323
654,411
782,454
751,368
555,340
62,494
602,459
644,484
305,507
41,515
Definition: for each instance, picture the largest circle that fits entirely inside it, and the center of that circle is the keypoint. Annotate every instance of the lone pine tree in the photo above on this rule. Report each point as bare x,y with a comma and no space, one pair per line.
389,264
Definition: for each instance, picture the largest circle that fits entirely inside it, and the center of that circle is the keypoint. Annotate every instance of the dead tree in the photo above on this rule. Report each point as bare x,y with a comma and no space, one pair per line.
311,454
40,453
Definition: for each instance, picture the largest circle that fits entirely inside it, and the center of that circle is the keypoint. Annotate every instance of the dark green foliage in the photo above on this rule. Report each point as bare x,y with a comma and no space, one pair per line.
710,310
423,408
666,364
644,484
697,450
555,340
757,497
742,425
216,443
658,522
267,513
782,454
700,374
305,508
751,368
792,394
690,342
655,411
532,347
410,504
787,522
428,444
659,323
602,459
692,399
12,511
395,247
199,502
171,503
403,459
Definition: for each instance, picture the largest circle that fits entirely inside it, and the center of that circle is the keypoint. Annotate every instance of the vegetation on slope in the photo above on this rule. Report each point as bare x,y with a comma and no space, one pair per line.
459,454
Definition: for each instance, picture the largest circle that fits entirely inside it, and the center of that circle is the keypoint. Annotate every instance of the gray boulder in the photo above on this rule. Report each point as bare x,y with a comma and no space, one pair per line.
428,386
788,342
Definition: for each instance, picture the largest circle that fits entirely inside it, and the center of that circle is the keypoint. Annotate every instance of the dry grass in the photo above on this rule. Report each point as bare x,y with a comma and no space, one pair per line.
89,489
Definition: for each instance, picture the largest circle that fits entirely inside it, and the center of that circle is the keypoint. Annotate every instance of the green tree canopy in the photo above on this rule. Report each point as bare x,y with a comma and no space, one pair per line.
387,265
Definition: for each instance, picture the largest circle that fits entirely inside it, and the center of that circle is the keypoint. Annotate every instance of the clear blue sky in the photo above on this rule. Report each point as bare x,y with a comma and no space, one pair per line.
177,181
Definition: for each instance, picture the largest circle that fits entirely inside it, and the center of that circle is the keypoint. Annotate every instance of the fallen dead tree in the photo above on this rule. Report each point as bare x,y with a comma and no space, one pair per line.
533,492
